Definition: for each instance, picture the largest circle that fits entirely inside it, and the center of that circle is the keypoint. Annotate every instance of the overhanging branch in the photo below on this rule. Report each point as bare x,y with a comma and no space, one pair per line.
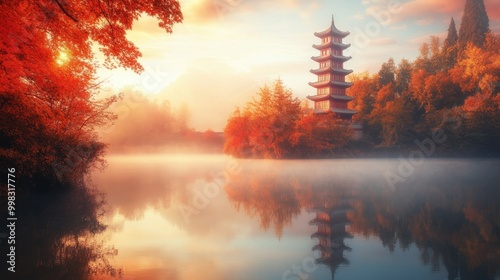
64,11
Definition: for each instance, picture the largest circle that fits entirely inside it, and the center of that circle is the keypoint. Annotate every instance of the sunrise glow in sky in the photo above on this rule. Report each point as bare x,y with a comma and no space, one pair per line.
226,49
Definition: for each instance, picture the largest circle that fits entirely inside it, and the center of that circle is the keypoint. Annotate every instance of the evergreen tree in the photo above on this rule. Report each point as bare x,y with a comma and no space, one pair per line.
450,46
452,37
474,25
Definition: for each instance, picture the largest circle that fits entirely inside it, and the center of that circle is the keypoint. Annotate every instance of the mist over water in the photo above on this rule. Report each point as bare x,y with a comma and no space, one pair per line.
177,216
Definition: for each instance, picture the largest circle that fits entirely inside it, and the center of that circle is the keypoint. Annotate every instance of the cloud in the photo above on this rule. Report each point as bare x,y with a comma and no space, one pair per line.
212,10
427,9
418,8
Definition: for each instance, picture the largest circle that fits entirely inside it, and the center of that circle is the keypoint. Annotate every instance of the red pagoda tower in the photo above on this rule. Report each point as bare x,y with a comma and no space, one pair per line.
331,85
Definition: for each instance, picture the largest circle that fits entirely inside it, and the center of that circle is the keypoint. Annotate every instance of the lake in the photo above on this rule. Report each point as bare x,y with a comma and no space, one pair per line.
214,217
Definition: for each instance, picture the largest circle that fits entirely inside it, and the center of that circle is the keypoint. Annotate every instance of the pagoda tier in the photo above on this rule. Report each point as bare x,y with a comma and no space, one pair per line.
332,235
331,84
331,70
333,247
331,31
326,57
331,96
331,44
322,84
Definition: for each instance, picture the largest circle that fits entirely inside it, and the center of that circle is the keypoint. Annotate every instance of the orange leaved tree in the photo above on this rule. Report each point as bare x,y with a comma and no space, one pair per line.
48,83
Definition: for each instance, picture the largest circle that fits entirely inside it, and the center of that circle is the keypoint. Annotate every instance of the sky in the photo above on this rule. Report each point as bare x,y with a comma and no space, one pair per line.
225,50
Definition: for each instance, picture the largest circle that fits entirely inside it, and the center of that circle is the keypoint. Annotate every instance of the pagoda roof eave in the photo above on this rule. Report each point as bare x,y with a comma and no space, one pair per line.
330,83
335,110
320,97
342,97
331,44
333,262
324,97
331,70
343,111
330,57
330,223
332,30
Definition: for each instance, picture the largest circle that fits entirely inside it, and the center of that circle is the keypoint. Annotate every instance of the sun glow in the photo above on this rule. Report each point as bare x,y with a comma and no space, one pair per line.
63,57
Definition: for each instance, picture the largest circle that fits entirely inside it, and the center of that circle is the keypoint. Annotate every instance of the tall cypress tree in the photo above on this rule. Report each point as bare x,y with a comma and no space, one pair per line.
474,25
450,46
452,37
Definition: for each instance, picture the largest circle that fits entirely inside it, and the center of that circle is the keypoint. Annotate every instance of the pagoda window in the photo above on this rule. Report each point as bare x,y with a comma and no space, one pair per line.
323,105
324,77
322,91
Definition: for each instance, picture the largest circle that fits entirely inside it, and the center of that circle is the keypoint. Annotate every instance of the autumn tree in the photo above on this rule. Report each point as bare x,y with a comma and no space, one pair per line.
265,127
48,86
316,135
478,75
364,91
387,73
435,92
236,134
474,25
430,58
403,76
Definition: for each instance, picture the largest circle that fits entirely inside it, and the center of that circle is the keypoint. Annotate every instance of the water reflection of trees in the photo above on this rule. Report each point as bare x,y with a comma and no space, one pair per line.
57,237
454,224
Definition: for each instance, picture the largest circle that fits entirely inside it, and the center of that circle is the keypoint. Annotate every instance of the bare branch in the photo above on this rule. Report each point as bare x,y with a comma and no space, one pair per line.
64,11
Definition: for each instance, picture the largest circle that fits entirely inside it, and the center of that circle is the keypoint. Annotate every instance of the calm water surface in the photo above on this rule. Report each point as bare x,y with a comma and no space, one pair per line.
212,217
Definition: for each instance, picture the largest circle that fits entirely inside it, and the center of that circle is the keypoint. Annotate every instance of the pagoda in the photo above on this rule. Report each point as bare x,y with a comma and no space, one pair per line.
331,220
331,85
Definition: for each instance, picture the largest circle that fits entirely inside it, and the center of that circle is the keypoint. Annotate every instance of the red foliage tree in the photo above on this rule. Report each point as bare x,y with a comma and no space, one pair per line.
48,85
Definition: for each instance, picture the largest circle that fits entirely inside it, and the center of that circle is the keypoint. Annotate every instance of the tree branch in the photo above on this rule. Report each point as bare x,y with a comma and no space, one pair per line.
64,11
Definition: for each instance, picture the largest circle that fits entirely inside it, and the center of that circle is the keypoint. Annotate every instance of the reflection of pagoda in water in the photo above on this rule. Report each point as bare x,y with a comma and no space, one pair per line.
331,220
